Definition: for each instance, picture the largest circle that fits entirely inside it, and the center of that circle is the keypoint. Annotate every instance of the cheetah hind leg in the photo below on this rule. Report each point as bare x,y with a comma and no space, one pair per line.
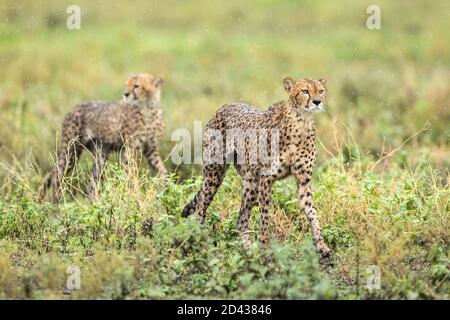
249,197
45,185
67,159
100,158
264,198
53,180
213,175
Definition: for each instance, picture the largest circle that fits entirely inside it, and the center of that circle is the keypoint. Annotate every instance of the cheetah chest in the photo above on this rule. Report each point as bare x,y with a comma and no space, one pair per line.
297,150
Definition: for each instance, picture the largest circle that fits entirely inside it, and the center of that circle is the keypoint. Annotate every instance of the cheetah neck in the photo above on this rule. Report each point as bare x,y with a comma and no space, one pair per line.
295,118
149,104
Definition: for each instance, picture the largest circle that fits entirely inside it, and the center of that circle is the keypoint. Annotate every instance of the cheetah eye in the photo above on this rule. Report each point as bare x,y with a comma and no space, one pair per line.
321,91
136,86
305,91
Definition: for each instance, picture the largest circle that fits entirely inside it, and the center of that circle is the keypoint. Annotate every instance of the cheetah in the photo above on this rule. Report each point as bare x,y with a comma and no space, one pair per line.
292,123
102,127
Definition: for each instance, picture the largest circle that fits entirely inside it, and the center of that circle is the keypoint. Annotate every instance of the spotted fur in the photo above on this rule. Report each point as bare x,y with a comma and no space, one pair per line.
293,120
102,127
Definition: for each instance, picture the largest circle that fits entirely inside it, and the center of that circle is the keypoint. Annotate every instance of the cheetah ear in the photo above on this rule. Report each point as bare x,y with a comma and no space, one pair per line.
131,76
288,83
323,81
159,80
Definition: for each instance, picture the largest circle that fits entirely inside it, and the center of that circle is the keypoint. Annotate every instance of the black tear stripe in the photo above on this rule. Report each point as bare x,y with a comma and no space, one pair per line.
296,97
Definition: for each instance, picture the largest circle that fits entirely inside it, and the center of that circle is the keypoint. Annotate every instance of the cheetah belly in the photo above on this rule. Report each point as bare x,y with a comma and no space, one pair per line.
107,134
284,168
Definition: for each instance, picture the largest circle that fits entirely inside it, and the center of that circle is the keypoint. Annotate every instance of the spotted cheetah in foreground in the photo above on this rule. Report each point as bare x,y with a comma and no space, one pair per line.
292,121
102,127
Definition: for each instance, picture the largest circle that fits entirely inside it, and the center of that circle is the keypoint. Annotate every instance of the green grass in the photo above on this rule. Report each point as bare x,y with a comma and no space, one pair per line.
132,242
384,87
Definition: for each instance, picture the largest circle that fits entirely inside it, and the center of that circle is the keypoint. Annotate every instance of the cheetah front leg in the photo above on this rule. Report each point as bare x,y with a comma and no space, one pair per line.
305,200
154,159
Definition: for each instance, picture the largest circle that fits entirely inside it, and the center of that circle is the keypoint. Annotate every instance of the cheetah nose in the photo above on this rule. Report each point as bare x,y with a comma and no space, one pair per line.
317,102
126,94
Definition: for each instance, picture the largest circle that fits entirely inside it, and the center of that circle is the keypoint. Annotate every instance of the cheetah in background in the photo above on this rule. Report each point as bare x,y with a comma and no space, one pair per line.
293,120
103,127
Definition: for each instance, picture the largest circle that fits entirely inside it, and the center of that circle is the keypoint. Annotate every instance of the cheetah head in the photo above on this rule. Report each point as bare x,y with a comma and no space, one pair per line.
306,94
143,88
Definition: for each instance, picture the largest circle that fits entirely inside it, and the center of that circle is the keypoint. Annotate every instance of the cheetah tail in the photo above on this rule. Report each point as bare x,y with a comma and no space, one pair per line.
45,185
190,207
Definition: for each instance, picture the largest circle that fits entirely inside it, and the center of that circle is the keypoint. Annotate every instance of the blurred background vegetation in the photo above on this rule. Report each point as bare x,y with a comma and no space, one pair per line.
385,86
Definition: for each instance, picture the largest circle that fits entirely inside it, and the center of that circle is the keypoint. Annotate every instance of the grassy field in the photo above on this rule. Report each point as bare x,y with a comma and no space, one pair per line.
381,180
